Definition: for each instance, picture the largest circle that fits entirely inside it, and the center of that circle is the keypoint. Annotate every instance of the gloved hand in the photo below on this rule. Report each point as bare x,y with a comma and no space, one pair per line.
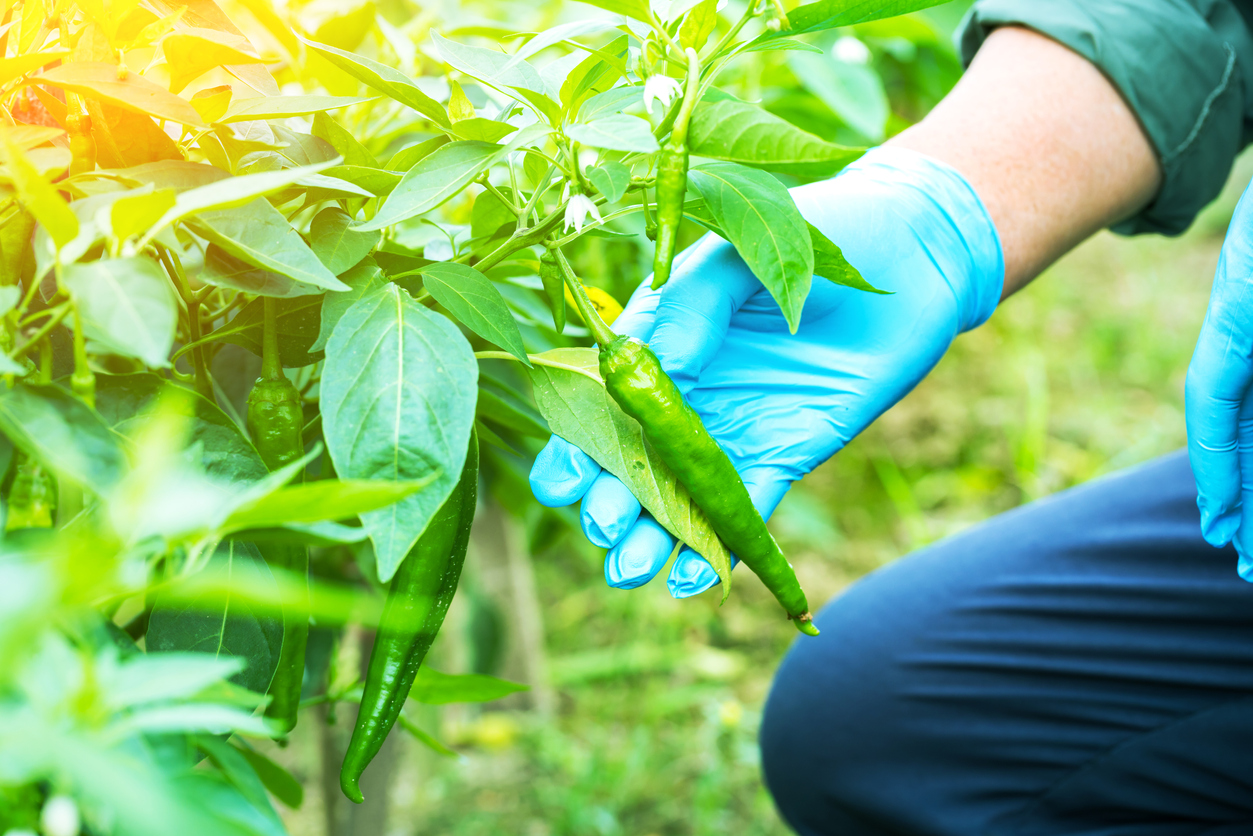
778,403
1219,403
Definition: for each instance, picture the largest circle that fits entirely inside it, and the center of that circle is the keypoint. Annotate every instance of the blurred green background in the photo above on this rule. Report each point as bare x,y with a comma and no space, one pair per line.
643,714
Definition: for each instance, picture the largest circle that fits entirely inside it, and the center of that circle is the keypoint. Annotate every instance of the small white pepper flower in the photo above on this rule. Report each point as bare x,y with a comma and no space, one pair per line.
59,817
577,211
660,87
850,50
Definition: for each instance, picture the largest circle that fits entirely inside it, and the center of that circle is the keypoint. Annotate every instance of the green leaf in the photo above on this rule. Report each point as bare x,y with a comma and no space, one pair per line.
572,398
854,92
435,688
231,192
409,156
281,784
493,68
491,217
344,143
328,499
511,412
434,180
361,279
611,179
377,181
484,130
297,321
37,194
233,628
828,14
398,392
259,234
595,74
738,132
323,534
285,107
221,269
136,214
132,92
126,401
384,79
637,9
336,243
759,217
615,133
700,22
830,264
476,303
127,305
63,434
611,101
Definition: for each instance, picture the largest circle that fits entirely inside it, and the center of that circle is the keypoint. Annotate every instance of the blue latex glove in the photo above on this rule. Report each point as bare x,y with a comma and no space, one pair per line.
781,404
1219,400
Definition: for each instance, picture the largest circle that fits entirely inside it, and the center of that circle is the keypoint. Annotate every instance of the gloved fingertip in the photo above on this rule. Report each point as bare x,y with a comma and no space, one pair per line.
639,556
690,575
1219,525
609,510
562,473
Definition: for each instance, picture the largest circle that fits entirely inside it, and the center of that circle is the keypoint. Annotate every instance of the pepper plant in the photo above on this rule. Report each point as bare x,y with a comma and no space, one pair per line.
270,293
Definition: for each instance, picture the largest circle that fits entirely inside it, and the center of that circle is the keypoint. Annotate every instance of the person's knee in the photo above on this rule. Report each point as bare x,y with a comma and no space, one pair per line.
834,705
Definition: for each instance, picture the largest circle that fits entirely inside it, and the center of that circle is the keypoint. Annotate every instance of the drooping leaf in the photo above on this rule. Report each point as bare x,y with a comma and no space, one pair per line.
611,179
476,303
344,143
384,79
127,305
828,14
259,234
14,68
698,25
398,392
126,401
364,278
297,322
191,53
132,91
136,214
281,784
221,269
759,217
738,132
493,68
336,243
611,101
284,107
232,628
572,398
37,195
617,132
830,264
63,434
434,180
125,138
435,688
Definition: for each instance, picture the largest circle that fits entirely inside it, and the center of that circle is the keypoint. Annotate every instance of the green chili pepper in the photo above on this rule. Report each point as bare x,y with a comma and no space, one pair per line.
671,185
277,420
671,190
82,145
634,378
550,275
417,602
32,496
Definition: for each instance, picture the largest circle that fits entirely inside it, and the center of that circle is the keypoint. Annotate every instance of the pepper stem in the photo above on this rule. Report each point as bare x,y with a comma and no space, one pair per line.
601,332
678,135
271,365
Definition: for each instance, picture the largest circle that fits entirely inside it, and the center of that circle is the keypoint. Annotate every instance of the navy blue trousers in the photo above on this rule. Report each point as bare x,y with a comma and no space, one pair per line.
1081,666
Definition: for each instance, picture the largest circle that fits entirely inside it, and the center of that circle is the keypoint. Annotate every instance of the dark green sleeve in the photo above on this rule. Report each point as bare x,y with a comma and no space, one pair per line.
1184,66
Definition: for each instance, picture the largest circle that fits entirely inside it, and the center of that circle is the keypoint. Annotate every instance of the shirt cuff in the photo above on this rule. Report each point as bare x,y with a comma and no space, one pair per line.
1181,72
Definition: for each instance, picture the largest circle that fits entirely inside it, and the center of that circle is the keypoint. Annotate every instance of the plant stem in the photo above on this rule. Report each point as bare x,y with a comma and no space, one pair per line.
691,95
60,314
271,365
600,331
174,268
83,379
735,30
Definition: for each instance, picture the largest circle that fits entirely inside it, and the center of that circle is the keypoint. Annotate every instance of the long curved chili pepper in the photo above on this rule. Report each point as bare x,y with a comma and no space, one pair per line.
417,602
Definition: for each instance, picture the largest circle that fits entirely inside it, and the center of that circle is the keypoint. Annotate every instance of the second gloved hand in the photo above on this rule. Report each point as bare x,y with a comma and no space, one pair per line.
782,403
